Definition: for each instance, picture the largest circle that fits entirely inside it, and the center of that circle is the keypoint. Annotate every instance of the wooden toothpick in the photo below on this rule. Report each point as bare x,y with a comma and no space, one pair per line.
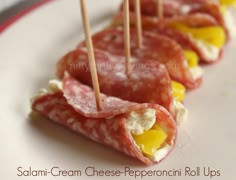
92,63
159,9
127,36
138,23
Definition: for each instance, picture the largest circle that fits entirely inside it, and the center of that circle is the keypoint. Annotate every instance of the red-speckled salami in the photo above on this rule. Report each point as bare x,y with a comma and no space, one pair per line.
186,41
149,81
172,8
110,131
155,48
180,7
192,20
82,99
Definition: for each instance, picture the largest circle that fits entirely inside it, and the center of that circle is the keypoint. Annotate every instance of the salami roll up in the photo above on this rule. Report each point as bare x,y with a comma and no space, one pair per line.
146,132
155,48
184,8
199,33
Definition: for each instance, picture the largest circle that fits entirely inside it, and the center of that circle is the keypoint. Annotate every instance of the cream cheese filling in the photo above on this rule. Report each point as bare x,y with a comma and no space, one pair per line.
181,112
53,86
196,72
38,95
138,122
210,52
162,152
230,23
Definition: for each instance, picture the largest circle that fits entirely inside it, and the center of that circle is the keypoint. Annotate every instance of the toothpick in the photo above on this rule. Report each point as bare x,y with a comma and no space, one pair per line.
138,23
127,36
92,63
159,9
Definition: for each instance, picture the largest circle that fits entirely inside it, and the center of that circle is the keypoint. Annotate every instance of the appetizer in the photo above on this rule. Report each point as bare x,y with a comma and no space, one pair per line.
199,33
143,75
146,132
180,65
218,9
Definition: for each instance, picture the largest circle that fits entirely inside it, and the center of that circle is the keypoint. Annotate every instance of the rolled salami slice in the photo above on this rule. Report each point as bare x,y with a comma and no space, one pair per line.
79,97
146,132
182,8
149,81
155,48
200,31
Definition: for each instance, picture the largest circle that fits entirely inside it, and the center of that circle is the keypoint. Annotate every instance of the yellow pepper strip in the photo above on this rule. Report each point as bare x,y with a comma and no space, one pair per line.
156,127
178,91
223,9
225,4
234,5
192,58
150,140
228,2
214,35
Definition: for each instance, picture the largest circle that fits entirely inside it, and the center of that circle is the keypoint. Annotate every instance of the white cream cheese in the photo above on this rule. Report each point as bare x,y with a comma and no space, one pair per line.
184,9
197,72
160,153
230,23
137,123
210,52
180,111
55,85
39,94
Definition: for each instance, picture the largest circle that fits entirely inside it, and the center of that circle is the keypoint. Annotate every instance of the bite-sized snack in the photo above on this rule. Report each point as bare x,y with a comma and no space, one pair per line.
146,132
198,33
148,82
174,8
155,48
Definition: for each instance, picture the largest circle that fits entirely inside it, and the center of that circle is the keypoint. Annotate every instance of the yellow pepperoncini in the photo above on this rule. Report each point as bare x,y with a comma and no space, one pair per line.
192,58
223,9
228,3
151,140
225,4
214,35
178,91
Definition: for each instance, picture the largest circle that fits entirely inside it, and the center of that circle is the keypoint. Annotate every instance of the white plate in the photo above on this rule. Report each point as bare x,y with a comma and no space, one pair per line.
29,50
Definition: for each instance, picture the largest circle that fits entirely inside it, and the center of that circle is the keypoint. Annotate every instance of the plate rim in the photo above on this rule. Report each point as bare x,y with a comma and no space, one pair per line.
21,14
